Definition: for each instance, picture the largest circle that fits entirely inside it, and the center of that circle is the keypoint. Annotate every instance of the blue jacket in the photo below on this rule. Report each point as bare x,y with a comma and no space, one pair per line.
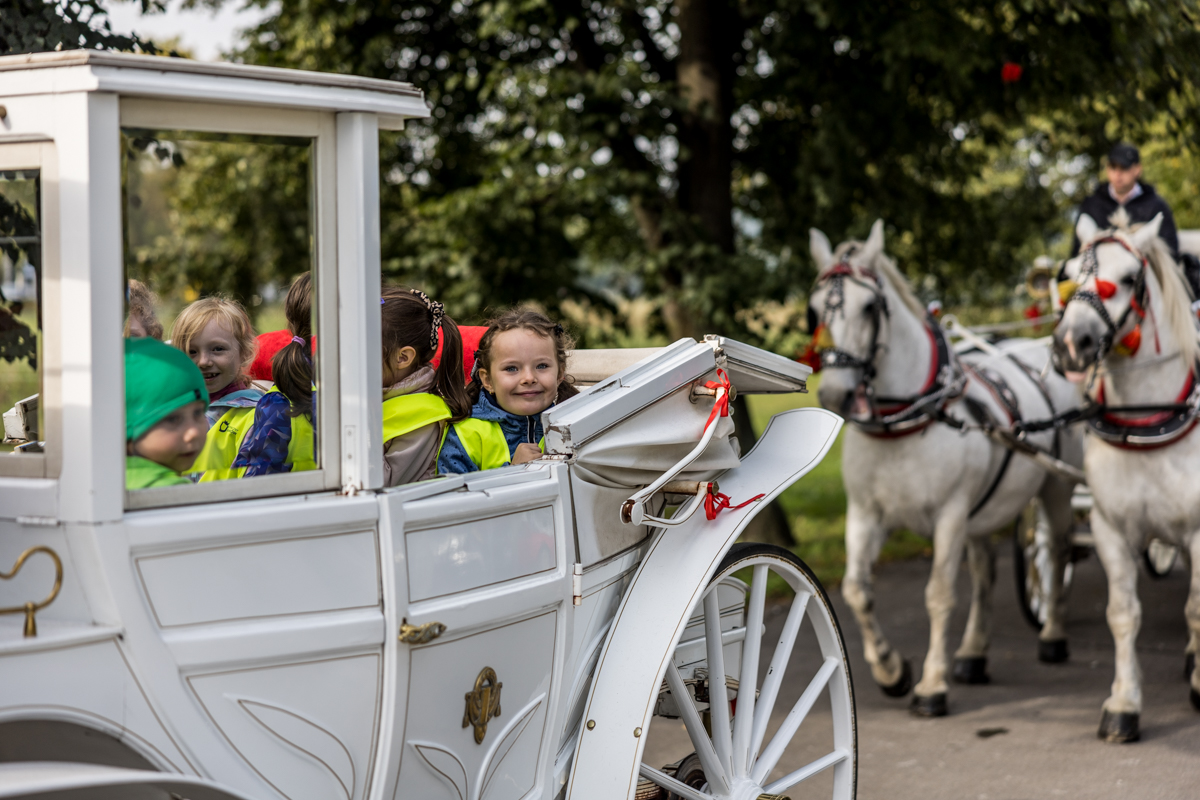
517,430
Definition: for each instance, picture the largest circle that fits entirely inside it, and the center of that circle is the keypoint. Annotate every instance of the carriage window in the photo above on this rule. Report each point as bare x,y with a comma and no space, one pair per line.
20,310
219,254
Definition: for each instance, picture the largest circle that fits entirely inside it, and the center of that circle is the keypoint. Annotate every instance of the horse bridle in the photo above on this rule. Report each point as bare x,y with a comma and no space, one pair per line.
1091,270
835,301
911,413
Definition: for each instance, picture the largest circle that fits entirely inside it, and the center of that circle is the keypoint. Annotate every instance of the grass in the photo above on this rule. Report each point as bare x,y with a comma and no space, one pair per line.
816,504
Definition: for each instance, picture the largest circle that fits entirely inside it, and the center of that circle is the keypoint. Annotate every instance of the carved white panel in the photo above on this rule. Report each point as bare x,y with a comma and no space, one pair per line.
506,764
265,579
88,685
308,729
468,555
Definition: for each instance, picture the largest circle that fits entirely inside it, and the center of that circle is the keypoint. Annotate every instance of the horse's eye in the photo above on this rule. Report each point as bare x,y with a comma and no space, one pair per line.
870,308
1129,281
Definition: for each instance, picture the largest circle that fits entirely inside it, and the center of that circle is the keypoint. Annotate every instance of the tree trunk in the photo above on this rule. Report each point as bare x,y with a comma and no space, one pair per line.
707,43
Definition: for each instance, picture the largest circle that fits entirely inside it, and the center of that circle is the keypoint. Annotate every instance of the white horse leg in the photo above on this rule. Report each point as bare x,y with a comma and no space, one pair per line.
949,538
1056,500
1192,610
1119,722
970,660
865,536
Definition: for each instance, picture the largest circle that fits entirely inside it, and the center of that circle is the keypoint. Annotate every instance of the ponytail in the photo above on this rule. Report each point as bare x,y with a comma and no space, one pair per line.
408,318
292,367
449,379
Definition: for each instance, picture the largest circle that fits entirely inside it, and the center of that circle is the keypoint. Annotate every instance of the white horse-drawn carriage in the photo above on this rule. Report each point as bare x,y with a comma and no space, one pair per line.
506,634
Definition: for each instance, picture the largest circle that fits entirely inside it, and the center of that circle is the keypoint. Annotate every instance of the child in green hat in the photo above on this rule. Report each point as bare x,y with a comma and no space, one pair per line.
165,426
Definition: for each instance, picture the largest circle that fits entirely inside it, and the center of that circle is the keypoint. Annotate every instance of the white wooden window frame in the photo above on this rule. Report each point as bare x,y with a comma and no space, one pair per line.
38,153
321,127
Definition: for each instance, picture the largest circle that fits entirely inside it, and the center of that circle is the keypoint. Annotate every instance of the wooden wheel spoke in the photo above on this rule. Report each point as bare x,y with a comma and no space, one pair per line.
774,679
791,724
743,721
695,727
806,772
671,785
718,694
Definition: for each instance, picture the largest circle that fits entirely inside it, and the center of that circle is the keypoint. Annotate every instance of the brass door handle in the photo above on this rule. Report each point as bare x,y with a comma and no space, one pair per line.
420,634
31,607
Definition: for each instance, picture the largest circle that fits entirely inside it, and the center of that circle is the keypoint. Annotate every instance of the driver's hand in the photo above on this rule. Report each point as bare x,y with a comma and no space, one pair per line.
525,453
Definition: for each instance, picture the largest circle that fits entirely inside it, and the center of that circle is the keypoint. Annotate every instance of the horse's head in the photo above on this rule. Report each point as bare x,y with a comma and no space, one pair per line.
1106,288
848,318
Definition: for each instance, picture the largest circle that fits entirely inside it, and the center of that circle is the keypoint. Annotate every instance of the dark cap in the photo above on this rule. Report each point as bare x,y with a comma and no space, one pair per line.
1124,155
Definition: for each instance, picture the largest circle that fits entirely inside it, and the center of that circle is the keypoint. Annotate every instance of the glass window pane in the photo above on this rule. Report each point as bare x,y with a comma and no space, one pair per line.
20,309
218,256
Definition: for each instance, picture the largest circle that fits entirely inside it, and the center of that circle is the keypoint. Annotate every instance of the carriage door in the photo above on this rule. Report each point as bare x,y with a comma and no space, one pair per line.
483,574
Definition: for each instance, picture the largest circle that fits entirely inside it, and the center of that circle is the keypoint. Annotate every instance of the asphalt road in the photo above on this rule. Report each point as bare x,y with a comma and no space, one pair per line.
1031,732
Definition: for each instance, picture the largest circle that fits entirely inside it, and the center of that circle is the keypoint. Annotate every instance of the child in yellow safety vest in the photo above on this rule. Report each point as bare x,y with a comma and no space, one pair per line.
165,401
217,335
520,371
419,401
281,437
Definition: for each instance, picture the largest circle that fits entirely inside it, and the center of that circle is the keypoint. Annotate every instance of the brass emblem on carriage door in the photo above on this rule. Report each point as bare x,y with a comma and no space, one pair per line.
483,703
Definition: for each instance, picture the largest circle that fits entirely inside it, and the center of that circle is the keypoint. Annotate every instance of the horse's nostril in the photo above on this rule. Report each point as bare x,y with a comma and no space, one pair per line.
1084,342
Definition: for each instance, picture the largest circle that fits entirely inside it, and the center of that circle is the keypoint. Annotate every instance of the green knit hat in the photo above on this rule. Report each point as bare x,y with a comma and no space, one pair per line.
158,380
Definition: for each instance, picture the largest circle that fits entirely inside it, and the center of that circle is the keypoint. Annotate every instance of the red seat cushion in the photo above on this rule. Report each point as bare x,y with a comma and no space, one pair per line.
271,343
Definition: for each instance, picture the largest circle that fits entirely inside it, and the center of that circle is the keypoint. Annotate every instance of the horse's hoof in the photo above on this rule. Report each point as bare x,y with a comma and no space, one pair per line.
1195,696
1053,652
971,670
1119,728
932,706
1189,664
902,686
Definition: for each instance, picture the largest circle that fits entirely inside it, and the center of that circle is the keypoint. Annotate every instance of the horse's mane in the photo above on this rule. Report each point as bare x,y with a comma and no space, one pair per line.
1177,299
887,270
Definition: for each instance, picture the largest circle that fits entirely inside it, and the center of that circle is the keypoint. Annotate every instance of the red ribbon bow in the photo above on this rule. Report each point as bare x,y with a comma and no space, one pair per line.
721,406
716,502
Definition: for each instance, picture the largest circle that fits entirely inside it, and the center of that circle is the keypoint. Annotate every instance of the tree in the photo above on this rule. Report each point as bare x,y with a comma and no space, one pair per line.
34,26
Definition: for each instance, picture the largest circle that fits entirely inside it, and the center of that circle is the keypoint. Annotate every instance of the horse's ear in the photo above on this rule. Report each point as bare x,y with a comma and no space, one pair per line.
818,245
1086,229
1145,234
874,244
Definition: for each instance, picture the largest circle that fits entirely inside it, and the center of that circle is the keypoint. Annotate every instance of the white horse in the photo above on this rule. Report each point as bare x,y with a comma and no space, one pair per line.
1130,333
887,368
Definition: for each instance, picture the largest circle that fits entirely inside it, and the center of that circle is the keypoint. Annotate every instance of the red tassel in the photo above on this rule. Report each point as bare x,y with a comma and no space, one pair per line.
1105,289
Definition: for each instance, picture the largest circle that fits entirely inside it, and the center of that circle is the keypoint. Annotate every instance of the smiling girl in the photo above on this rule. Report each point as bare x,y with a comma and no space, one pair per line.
520,371
217,335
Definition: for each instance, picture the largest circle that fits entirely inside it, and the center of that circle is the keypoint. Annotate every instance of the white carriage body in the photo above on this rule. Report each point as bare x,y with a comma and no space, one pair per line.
249,646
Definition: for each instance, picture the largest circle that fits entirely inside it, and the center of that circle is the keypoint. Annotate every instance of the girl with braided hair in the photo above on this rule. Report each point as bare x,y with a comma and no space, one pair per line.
520,371
419,402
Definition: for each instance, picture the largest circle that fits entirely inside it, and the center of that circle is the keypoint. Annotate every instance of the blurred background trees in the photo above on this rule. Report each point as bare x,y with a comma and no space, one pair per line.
659,162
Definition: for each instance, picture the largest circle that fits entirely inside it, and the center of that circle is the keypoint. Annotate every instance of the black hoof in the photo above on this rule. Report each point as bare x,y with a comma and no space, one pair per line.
971,670
934,706
1189,664
902,686
1119,728
1195,697
1054,652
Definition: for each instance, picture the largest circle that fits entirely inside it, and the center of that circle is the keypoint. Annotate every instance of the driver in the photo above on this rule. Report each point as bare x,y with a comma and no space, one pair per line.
1125,189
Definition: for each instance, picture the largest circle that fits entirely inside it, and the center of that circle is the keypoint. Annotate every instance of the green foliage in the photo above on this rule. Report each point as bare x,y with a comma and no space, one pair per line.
216,213
560,158
34,26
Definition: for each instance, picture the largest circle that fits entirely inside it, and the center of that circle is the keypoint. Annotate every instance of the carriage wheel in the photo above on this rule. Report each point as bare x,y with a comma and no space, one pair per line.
1033,560
738,759
1159,558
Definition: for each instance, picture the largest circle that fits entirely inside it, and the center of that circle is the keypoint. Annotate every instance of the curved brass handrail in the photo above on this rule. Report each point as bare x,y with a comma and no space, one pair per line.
31,608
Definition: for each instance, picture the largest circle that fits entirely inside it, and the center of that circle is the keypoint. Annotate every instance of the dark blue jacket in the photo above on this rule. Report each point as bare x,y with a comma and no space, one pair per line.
517,430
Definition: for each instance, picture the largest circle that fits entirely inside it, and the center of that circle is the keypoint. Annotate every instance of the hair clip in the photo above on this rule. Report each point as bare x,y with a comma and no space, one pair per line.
382,300
558,329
